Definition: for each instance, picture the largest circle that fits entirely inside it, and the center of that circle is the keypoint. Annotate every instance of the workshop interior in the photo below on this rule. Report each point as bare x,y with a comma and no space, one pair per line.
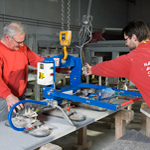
68,34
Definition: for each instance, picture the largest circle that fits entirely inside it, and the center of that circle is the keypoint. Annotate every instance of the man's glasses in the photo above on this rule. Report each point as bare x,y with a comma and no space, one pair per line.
17,41
126,39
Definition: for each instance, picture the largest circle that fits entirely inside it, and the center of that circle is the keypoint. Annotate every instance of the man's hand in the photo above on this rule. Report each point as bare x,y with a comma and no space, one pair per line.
65,70
88,69
11,100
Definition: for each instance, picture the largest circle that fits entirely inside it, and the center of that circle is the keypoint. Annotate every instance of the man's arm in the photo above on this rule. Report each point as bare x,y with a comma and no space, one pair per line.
119,67
33,58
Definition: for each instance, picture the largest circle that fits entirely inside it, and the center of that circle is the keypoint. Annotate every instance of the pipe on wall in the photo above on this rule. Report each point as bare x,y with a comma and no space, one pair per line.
35,22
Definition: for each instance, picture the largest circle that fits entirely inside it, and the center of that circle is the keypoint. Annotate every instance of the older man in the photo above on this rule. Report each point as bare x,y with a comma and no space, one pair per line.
14,60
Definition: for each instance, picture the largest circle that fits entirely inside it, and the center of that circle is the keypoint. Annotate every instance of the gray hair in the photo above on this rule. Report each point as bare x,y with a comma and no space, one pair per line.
13,28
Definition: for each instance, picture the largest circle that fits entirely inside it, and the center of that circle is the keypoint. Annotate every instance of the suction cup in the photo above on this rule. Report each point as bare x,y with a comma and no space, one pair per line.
77,117
41,131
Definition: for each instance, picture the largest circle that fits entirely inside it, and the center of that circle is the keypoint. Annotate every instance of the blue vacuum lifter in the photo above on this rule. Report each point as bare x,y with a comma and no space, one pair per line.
46,77
68,91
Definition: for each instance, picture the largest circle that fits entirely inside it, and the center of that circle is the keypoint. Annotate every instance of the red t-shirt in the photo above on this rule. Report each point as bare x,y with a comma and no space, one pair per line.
14,69
135,66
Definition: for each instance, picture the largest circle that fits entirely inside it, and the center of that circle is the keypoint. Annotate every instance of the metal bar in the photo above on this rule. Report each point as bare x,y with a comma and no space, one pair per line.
127,93
120,92
85,100
92,86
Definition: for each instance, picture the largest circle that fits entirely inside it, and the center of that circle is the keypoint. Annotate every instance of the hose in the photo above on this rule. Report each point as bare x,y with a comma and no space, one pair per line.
65,116
11,110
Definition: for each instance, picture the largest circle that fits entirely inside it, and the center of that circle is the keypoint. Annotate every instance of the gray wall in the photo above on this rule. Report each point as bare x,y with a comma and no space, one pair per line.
139,10
44,16
109,13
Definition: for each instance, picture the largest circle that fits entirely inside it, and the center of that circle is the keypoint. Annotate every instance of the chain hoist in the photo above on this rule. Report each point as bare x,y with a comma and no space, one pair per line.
65,35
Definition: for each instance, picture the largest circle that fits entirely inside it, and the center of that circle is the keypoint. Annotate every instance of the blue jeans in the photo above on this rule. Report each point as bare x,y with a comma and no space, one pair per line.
4,109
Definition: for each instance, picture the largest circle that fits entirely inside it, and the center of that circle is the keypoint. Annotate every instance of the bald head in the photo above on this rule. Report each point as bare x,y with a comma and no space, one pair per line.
13,28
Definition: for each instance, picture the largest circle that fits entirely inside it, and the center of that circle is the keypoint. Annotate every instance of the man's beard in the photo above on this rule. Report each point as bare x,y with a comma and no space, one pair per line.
132,48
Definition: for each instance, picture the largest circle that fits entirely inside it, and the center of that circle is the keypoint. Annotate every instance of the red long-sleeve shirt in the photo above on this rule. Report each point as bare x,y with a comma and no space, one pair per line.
14,69
135,66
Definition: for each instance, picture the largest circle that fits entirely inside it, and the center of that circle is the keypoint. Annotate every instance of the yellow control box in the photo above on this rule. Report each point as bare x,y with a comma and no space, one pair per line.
65,38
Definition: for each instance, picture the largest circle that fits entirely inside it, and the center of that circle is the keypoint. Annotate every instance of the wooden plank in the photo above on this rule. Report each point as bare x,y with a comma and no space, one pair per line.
50,146
148,126
119,128
120,122
82,147
82,135
145,120
143,123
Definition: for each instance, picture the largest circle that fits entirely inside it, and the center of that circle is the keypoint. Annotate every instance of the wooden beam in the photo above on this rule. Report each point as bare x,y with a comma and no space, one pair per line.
82,135
121,118
148,126
145,120
82,140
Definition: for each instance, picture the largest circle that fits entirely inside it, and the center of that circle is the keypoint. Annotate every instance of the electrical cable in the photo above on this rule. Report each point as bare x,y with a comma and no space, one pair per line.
85,32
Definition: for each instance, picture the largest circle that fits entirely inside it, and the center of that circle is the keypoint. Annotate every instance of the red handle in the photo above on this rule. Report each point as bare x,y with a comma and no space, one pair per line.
130,101
68,109
29,128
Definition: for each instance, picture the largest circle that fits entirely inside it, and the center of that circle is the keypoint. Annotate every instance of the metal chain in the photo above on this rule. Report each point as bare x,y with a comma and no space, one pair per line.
62,14
68,15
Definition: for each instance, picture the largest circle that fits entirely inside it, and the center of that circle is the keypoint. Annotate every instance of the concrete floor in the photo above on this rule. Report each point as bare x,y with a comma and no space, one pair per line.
100,133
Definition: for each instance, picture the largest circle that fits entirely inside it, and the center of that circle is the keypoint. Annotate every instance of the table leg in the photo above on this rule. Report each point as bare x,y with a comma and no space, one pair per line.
147,126
143,124
120,122
82,140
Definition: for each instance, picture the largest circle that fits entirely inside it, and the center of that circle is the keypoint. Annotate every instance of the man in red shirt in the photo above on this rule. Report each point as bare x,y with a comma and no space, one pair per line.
135,65
14,60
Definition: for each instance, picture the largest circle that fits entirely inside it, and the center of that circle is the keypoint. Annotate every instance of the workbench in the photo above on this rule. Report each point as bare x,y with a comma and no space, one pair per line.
18,140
